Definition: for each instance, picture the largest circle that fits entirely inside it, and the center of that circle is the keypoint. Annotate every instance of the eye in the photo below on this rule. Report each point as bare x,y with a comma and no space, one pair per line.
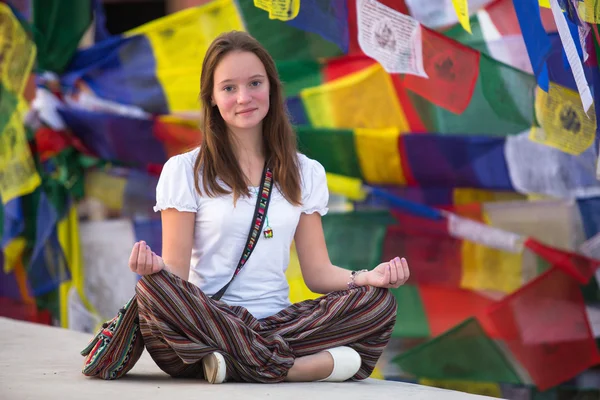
255,83
228,88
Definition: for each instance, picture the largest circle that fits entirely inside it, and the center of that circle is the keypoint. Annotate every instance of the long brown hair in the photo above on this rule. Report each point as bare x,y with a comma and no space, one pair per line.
216,157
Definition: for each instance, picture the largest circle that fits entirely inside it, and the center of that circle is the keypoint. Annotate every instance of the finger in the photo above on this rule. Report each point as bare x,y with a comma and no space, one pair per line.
157,265
141,260
405,269
133,257
153,261
149,267
386,275
393,271
401,277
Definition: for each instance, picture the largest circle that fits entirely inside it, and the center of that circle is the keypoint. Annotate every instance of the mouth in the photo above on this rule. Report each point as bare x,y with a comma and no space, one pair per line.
246,111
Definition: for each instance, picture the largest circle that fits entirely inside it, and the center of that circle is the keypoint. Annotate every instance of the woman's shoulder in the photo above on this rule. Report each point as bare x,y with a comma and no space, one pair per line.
309,167
180,163
176,188
315,194
188,158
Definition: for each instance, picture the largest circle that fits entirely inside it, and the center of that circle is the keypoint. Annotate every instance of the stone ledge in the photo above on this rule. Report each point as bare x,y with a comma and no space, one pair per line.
42,362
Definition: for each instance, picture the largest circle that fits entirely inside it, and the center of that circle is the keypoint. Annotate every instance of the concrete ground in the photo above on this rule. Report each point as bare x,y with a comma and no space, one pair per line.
42,362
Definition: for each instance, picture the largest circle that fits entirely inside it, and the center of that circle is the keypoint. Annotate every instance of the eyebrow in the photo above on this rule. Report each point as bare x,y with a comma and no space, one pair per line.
252,77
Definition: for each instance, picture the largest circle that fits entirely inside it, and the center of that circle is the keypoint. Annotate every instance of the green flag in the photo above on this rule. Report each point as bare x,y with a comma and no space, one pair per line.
58,29
283,41
355,240
462,353
335,149
411,320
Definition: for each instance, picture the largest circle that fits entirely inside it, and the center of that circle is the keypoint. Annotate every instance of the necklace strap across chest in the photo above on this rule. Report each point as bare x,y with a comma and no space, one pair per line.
258,220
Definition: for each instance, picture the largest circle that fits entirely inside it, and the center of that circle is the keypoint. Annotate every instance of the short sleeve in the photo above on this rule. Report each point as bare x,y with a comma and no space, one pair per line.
315,194
175,187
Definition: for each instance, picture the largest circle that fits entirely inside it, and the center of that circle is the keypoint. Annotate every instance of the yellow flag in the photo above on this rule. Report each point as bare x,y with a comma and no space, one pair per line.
283,10
545,3
365,99
346,186
462,11
106,188
17,56
537,197
179,120
588,10
564,123
378,155
68,236
180,41
463,196
298,289
377,374
13,253
486,268
18,175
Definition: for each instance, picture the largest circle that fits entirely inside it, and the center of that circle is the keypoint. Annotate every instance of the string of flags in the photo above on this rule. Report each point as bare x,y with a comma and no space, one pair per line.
460,134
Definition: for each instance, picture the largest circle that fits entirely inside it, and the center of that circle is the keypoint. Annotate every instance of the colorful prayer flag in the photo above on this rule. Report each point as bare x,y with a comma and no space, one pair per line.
365,99
462,353
452,71
545,327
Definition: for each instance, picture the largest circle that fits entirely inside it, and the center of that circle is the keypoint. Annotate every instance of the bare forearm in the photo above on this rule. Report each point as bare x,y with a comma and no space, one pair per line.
177,241
331,279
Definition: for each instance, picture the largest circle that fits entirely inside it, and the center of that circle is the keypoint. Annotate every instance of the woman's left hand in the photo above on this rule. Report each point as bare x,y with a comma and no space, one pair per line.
390,274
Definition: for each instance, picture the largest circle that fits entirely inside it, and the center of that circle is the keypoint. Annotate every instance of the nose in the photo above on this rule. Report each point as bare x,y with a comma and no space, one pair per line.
243,96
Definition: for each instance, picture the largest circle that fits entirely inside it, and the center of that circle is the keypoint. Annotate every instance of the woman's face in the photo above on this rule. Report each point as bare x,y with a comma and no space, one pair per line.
241,90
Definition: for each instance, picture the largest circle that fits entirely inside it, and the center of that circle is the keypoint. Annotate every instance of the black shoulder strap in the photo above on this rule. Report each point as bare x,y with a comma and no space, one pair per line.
260,210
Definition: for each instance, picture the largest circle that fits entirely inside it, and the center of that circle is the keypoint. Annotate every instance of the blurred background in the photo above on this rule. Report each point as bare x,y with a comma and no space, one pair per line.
459,134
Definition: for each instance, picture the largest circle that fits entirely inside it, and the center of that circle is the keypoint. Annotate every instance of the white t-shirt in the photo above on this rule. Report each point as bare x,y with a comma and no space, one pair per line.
221,232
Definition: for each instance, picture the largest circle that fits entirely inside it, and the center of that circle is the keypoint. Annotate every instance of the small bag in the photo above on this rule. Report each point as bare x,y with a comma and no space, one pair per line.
119,344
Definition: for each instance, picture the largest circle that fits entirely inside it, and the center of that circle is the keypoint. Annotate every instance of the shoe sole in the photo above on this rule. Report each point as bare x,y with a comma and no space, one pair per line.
214,368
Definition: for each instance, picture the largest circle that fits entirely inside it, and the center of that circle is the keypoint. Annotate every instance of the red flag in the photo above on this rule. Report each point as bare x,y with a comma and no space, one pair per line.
341,66
49,143
177,138
452,68
576,265
545,326
412,116
503,15
434,256
447,307
14,309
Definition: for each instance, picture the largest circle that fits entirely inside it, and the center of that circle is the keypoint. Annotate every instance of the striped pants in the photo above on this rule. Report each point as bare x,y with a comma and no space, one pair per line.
180,325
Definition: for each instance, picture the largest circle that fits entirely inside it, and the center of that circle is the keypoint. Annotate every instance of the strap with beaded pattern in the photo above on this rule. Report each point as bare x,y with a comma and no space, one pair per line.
260,212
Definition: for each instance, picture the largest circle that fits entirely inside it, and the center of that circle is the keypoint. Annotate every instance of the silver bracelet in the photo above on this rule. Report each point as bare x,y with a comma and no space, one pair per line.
353,275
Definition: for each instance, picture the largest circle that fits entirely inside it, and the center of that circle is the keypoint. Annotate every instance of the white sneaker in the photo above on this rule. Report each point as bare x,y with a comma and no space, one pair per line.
215,370
346,363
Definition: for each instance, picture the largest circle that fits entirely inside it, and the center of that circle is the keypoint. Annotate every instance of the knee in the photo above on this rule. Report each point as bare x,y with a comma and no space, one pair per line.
157,287
148,284
385,305
164,287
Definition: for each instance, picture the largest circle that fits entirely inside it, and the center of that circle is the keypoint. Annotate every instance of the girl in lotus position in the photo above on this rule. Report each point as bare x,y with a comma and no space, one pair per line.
207,198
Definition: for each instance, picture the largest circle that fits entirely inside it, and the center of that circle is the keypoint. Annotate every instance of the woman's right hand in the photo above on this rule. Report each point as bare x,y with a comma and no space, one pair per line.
143,261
